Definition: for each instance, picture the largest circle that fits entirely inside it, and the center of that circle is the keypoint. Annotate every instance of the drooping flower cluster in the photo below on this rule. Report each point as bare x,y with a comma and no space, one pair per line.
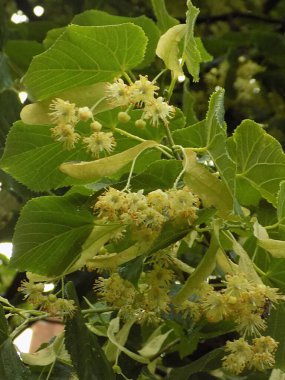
147,302
34,294
147,213
243,302
142,94
257,356
66,116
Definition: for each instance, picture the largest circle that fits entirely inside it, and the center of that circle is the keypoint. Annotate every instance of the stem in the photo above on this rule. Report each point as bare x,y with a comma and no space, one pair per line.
126,75
127,134
130,174
22,326
159,75
97,103
137,138
272,226
99,310
171,87
258,270
171,141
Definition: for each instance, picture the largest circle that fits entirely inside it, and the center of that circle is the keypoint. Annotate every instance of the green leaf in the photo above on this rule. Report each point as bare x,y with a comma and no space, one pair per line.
169,235
33,157
206,185
84,55
49,234
276,331
92,170
208,362
86,354
201,272
11,367
164,20
99,18
21,52
9,101
52,36
210,137
161,174
132,270
260,159
194,52
188,101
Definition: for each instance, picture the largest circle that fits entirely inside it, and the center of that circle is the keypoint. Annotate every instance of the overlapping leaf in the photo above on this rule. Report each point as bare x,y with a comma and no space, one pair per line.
85,55
86,354
210,137
50,233
260,159
33,157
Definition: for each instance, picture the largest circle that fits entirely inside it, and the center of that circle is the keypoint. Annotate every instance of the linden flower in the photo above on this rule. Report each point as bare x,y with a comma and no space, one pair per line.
264,348
143,91
158,199
250,323
160,276
63,112
269,293
65,133
29,288
264,344
237,285
215,307
240,353
156,299
189,308
262,361
84,113
118,93
149,218
111,204
56,306
32,292
115,290
100,142
158,109
183,204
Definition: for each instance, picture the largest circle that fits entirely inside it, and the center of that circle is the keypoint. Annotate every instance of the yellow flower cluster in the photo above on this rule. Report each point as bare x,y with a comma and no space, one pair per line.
150,212
146,302
66,115
142,93
243,302
256,356
33,293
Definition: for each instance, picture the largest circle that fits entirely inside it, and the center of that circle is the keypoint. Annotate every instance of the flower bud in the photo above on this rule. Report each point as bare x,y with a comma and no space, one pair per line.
123,117
140,123
96,126
84,113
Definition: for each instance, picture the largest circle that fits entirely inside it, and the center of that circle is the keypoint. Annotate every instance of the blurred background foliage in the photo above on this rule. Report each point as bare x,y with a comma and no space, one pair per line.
245,38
